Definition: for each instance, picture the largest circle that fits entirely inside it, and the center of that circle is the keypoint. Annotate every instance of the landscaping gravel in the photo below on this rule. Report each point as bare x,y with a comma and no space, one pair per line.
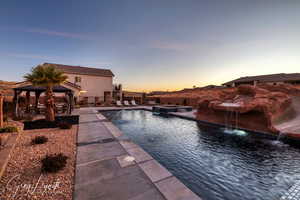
23,178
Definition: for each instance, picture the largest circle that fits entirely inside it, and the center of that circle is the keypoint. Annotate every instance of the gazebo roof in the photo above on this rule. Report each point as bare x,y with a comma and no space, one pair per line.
31,88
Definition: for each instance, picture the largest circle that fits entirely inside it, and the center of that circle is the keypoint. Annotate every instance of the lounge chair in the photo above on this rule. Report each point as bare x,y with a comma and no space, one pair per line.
133,103
119,103
151,103
41,108
126,103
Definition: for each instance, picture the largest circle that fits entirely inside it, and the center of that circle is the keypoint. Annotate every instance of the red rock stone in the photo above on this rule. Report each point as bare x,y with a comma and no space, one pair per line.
258,108
260,105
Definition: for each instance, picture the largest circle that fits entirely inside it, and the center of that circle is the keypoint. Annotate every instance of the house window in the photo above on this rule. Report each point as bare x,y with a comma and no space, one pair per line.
77,79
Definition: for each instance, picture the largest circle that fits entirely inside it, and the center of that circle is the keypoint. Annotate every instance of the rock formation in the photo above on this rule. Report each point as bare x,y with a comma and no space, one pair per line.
255,108
259,108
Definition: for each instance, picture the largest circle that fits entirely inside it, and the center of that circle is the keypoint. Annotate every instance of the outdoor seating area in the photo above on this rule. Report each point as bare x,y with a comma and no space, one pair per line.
126,103
29,105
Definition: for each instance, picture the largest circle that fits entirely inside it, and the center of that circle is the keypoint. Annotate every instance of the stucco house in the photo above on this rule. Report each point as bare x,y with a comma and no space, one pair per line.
273,79
96,85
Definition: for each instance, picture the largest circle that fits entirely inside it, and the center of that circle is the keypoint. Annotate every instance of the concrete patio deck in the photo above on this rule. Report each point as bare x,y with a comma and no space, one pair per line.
111,167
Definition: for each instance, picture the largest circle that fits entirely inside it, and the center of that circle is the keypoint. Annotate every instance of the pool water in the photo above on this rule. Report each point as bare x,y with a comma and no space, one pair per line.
214,163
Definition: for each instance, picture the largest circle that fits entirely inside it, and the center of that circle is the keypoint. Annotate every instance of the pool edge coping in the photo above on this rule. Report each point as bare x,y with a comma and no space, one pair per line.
286,137
166,192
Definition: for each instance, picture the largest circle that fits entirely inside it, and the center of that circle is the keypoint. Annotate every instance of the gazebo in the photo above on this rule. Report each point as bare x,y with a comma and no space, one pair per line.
38,90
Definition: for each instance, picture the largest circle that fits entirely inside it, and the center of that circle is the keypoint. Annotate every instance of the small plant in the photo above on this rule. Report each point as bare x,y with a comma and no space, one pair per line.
28,118
39,140
65,125
9,129
17,118
54,163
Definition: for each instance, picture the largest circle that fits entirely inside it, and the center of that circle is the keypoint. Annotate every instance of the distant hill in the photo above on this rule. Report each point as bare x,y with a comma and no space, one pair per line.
190,92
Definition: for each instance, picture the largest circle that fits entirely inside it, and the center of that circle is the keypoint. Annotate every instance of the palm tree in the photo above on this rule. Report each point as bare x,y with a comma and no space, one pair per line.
48,76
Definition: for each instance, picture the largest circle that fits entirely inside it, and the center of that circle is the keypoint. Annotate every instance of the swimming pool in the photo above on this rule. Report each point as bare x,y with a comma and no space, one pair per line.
213,163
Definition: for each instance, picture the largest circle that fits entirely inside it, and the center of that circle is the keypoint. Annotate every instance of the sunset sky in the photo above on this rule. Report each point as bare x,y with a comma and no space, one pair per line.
153,44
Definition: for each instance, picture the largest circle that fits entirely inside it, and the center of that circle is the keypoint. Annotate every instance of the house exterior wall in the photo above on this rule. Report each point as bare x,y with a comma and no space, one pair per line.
274,83
93,86
234,84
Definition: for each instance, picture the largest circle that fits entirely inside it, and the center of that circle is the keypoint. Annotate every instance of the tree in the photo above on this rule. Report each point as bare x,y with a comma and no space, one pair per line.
48,76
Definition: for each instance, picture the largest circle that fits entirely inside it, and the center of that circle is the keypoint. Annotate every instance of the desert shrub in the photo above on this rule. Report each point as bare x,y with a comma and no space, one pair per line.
28,117
39,140
8,129
53,163
17,118
65,125
24,117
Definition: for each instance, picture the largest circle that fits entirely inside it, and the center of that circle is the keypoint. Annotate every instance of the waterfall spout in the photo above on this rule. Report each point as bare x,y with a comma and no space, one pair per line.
232,119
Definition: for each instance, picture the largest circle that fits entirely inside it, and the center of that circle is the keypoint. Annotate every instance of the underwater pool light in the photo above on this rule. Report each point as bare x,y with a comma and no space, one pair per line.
235,132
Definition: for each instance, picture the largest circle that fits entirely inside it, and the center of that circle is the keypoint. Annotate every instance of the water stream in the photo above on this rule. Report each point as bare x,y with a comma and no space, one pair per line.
231,114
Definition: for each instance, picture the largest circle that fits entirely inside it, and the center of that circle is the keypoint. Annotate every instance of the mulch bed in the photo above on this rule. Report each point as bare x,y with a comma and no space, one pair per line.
42,123
23,178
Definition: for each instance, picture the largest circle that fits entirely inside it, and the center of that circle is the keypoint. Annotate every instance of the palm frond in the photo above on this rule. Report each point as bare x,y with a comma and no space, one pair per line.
45,75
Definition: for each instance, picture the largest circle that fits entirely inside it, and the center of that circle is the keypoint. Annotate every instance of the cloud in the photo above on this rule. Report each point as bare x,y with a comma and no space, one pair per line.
31,56
61,34
71,35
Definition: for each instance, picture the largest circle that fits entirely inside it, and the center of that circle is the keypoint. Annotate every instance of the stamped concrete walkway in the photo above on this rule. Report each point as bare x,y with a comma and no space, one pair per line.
110,167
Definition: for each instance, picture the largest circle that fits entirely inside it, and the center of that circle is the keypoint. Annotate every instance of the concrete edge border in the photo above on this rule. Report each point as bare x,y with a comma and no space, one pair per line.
75,161
267,134
10,150
169,186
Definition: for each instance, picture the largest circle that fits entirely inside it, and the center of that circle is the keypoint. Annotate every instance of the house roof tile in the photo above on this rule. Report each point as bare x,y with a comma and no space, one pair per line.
83,70
267,78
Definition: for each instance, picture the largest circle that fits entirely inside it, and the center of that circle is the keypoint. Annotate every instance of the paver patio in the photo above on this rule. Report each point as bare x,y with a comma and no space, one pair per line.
98,172
118,169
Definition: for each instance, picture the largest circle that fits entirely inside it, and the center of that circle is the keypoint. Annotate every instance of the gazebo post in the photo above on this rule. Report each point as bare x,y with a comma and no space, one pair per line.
70,102
16,102
27,101
37,96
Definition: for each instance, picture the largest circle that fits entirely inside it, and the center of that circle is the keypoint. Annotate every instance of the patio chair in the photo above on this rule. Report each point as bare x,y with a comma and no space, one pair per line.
133,103
119,103
151,103
126,103
41,108
60,108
